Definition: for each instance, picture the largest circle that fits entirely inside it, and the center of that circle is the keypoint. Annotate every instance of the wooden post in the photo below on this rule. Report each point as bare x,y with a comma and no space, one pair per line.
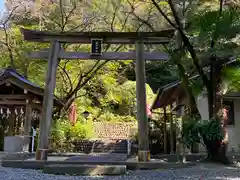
27,124
28,119
180,147
46,118
11,124
171,132
143,141
183,159
165,131
14,123
19,123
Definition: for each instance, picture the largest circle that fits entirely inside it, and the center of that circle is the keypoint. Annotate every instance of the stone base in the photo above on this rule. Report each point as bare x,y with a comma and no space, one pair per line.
41,154
143,156
17,156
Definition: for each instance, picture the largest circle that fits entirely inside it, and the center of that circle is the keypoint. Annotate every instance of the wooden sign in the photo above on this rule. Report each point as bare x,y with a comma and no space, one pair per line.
96,47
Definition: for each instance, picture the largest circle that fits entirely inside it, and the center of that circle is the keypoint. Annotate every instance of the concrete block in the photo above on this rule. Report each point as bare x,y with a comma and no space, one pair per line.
17,156
21,164
16,143
85,169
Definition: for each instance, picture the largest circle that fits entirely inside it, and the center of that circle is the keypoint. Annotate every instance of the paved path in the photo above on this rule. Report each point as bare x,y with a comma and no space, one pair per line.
199,172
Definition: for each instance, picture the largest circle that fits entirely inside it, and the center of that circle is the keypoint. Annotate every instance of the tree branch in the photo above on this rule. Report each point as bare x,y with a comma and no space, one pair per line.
188,45
113,19
164,15
69,79
7,39
139,18
64,16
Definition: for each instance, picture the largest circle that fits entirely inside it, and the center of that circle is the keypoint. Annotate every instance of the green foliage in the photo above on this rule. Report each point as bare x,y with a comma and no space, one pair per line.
231,79
115,118
196,86
212,130
64,134
190,131
195,130
124,95
206,25
97,94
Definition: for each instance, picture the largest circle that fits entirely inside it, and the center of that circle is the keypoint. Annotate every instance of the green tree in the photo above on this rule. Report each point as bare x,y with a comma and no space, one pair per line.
86,82
216,28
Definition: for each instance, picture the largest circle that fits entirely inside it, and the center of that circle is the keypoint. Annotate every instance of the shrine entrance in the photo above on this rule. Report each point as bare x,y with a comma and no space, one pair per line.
96,39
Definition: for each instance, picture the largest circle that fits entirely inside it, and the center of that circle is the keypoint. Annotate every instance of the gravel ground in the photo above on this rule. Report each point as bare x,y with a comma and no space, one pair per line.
199,172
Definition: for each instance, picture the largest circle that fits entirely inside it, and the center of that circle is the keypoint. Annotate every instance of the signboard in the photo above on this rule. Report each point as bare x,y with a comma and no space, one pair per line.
96,47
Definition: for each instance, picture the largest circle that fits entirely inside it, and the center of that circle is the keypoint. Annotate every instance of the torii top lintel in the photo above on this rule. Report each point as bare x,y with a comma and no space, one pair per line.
160,37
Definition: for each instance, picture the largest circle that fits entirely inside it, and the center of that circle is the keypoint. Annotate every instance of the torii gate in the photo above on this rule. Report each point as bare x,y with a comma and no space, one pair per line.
97,39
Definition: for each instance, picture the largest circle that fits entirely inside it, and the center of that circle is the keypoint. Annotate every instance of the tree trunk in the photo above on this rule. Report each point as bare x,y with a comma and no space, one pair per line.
216,148
216,151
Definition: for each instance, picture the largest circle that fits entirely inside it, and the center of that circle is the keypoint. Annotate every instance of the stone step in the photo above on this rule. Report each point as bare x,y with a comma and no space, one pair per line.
109,151
85,169
98,146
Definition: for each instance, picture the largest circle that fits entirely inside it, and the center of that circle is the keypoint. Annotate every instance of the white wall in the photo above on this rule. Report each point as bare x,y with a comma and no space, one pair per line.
202,105
233,130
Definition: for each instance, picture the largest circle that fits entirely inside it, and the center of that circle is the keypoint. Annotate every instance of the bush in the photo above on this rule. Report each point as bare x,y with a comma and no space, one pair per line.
115,118
197,131
64,134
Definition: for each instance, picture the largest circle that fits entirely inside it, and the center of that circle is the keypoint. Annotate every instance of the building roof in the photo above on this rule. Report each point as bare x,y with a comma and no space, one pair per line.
170,92
12,76
9,72
231,95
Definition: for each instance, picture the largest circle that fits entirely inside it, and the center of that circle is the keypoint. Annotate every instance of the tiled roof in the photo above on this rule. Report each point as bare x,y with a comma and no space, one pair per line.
8,72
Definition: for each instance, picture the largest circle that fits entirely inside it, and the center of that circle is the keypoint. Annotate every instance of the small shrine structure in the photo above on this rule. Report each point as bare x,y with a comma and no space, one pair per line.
20,110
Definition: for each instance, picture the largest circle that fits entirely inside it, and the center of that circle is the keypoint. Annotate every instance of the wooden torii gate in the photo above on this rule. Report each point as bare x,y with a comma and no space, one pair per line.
97,39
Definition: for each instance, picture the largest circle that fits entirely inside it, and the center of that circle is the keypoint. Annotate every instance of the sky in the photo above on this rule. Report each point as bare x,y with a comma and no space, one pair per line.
1,5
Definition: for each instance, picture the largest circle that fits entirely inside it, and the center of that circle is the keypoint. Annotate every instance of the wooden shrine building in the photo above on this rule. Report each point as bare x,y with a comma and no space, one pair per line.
20,105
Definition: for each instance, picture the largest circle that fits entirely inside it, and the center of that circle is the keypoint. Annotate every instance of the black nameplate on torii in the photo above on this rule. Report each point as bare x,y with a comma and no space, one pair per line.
96,47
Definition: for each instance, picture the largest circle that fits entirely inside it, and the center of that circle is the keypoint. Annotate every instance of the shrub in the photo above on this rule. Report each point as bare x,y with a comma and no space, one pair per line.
64,134
110,117
198,131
